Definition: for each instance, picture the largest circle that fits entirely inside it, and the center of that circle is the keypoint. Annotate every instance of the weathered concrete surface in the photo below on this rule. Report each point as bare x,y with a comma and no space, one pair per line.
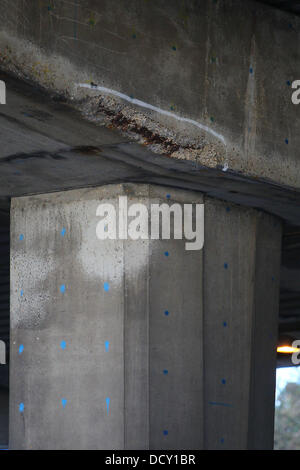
46,146
201,376
227,65
148,408
241,304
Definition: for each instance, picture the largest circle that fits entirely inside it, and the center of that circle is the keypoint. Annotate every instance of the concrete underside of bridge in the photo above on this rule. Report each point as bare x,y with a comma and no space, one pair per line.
192,99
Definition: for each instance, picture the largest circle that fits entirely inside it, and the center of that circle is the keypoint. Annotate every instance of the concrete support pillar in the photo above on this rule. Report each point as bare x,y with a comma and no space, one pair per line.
141,344
106,334
241,298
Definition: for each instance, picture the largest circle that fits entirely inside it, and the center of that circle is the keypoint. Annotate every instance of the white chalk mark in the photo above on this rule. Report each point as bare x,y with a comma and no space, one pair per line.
142,104
225,167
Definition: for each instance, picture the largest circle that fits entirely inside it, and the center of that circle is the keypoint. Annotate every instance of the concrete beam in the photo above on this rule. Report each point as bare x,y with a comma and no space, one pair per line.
212,78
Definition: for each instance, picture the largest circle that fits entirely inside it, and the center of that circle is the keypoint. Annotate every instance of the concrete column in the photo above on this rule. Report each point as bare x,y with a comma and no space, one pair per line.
106,349
241,299
141,344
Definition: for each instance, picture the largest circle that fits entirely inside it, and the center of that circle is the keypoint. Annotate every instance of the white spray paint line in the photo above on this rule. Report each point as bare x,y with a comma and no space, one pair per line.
142,104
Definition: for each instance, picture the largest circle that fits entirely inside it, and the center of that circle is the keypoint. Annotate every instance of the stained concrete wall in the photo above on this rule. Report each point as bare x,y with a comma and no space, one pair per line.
192,336
71,294
226,64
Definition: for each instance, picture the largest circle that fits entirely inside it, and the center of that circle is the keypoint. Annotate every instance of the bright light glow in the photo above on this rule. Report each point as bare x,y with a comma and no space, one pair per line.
287,349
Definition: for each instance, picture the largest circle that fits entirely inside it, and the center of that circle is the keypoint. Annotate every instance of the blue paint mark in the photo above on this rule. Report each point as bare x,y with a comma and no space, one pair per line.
134,36
64,402
286,141
225,324
63,345
21,407
273,278
251,70
226,265
165,432
223,381
174,48
63,232
62,288
288,83
227,209
216,403
166,253
107,404
222,440
21,348
22,293
106,286
166,313
21,237
168,196
107,345
166,371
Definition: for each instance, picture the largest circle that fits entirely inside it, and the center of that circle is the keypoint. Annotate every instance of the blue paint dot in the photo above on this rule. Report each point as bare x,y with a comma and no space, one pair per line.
166,371
21,237
223,381
166,253
227,209
21,348
168,196
165,432
21,407
107,345
107,404
288,83
64,402
63,345
63,232
106,286
174,48
224,324
251,70
273,278
212,119
225,265
222,440
22,293
286,141
134,36
62,288
166,312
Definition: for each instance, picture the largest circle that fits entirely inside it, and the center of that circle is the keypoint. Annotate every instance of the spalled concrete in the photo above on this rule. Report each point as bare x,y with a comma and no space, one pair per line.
225,65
